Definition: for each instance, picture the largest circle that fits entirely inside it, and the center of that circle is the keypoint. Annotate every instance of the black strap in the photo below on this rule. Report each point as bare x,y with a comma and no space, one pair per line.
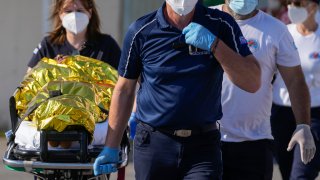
52,94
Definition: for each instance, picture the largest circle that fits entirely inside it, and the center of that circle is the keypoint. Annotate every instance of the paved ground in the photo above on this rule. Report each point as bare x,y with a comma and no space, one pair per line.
11,175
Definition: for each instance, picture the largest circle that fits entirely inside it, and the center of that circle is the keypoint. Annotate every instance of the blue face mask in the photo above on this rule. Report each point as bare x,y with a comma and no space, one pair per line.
243,7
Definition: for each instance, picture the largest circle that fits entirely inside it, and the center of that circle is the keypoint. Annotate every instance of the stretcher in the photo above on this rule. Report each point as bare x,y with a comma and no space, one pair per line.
46,162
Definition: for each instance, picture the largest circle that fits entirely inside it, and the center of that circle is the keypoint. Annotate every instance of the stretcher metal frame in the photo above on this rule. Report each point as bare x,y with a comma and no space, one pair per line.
43,161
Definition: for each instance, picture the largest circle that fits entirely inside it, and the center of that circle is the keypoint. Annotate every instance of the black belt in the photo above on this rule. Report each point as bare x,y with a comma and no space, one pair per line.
184,132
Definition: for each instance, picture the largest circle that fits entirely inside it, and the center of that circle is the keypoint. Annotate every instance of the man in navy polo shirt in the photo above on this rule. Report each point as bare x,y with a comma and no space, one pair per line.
180,52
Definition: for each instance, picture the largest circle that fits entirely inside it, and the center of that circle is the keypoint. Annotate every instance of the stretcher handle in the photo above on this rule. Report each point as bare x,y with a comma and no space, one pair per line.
13,113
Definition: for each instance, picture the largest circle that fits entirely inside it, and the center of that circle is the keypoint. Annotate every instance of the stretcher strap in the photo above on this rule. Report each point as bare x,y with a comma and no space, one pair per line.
52,94
27,165
121,173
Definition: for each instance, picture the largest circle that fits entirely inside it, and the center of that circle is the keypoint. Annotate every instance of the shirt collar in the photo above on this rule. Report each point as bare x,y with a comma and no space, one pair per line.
160,16
90,43
198,14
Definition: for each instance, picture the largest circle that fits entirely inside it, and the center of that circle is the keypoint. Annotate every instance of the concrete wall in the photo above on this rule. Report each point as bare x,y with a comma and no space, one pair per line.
20,33
133,9
111,17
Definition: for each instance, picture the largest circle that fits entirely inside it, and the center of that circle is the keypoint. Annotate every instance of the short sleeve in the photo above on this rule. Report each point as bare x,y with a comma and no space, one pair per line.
232,36
114,56
287,53
130,61
38,54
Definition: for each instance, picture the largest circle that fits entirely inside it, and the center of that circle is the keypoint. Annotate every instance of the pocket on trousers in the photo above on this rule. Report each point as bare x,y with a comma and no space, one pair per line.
142,137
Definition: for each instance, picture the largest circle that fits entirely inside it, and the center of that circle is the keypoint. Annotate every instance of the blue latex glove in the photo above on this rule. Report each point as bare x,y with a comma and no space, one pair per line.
198,36
106,162
132,125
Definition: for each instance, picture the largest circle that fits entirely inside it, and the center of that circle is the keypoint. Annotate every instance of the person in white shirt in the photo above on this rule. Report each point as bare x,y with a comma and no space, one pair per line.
306,34
245,126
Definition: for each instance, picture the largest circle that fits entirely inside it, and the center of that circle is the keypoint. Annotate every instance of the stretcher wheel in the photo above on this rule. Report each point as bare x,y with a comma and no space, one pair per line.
53,143
65,144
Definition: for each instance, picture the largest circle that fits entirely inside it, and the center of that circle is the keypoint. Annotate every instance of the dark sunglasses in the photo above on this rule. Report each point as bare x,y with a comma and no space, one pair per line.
180,45
193,51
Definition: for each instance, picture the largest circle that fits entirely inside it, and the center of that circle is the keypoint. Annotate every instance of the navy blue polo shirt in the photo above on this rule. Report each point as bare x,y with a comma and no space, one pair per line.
178,90
105,48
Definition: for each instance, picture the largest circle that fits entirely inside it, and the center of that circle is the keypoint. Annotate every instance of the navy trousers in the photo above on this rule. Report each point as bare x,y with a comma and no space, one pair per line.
248,160
283,125
311,170
159,156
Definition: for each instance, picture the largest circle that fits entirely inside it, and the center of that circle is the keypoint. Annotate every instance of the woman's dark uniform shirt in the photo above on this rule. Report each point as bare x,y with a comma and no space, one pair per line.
104,48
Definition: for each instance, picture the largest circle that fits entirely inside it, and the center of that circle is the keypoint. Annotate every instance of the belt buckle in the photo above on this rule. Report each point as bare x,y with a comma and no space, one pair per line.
182,133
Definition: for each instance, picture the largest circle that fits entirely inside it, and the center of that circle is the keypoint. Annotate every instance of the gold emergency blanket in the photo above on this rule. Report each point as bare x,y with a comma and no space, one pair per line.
66,110
76,91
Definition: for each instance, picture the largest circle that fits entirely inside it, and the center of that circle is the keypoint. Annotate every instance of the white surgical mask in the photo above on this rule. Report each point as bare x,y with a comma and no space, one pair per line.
243,7
297,14
182,7
75,22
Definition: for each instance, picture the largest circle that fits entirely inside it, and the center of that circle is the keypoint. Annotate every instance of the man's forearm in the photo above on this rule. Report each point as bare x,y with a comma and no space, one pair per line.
119,114
298,92
242,71
300,101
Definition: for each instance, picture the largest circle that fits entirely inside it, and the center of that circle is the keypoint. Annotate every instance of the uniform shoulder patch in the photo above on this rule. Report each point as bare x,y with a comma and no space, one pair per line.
35,51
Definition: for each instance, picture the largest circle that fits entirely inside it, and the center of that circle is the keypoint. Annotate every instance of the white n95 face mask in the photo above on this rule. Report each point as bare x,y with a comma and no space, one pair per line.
297,14
243,7
182,7
75,22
